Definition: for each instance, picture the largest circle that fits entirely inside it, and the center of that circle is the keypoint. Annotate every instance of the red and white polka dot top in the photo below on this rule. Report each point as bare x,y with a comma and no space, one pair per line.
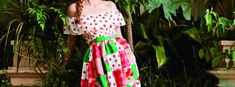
95,25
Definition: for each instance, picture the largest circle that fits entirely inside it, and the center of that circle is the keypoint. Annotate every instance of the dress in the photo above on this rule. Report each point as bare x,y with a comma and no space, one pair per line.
108,62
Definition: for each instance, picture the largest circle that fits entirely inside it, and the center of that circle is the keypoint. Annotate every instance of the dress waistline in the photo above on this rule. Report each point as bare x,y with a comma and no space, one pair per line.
103,38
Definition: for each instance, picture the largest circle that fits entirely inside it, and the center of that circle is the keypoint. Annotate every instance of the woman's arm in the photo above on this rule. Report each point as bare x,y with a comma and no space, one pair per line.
71,39
119,32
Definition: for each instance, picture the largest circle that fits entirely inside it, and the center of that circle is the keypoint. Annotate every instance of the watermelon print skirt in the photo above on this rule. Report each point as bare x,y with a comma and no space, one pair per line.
109,62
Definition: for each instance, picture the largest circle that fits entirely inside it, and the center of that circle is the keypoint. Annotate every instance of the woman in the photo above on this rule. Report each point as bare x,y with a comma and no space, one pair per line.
108,62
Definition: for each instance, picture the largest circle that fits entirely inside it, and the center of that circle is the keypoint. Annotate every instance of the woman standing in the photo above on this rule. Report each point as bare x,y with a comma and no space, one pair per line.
109,61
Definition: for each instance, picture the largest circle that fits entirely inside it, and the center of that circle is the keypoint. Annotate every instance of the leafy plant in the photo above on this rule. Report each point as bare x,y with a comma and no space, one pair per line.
165,37
208,35
5,81
152,31
169,6
40,24
171,39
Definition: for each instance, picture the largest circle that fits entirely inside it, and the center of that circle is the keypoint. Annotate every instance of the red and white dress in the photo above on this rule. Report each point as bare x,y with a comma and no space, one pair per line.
108,62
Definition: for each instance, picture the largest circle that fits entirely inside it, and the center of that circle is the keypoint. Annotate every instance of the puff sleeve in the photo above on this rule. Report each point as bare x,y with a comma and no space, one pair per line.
119,19
71,28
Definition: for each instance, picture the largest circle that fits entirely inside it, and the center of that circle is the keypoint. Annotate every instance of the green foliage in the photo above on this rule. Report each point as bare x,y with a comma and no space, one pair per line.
193,33
3,4
201,53
210,50
40,24
149,77
234,20
127,6
160,55
158,30
12,26
151,5
151,39
169,7
41,17
60,13
5,81
216,24
55,76
173,5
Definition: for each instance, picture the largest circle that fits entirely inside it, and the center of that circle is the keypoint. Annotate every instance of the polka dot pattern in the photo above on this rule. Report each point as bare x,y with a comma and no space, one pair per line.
72,28
107,63
95,25
85,69
113,61
111,79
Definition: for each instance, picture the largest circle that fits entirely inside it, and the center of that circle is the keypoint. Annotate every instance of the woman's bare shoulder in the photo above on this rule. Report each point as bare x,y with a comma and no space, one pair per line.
72,9
110,5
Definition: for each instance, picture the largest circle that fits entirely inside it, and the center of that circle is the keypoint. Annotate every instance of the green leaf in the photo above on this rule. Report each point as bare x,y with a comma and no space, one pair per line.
207,56
193,33
216,61
233,55
142,32
1,72
160,55
214,14
233,22
171,7
42,25
142,45
224,22
209,20
150,5
201,53
153,4
187,10
58,11
213,51
39,14
214,30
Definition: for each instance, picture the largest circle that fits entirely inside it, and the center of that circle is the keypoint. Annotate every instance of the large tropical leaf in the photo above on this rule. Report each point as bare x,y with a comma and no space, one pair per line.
160,55
151,5
193,33
187,10
169,7
173,5
141,31
142,45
